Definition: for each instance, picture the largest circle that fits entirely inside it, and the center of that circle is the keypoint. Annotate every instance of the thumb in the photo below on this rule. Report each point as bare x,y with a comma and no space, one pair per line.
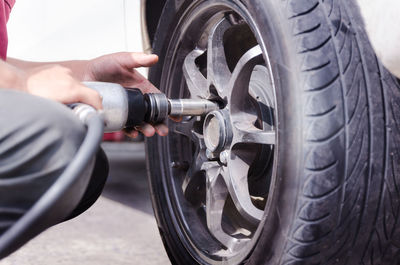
88,96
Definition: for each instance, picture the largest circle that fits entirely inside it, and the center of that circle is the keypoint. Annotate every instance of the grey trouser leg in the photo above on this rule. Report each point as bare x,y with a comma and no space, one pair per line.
38,139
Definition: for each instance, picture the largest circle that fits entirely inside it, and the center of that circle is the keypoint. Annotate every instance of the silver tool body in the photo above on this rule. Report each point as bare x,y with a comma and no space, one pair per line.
126,108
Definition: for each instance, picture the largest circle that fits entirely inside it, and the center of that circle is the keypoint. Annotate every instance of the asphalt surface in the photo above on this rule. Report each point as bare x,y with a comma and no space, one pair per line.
119,229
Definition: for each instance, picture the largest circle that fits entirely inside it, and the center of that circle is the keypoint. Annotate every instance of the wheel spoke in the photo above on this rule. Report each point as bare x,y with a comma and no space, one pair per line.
185,128
218,72
251,134
196,82
216,197
239,81
192,179
236,181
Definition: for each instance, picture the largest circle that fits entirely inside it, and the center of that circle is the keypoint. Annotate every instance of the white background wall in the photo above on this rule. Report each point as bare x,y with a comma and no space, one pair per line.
48,30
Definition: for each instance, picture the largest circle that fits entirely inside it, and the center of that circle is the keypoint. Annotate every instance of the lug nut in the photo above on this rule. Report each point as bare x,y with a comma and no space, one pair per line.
210,155
223,157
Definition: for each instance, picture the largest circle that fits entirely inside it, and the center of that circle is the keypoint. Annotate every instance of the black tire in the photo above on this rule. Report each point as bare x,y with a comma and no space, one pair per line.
336,198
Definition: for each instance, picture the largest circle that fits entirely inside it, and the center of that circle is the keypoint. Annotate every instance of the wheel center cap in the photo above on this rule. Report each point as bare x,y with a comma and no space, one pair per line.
215,131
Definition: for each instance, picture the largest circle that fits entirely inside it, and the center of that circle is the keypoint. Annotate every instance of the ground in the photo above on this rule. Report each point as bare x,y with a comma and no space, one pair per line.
119,229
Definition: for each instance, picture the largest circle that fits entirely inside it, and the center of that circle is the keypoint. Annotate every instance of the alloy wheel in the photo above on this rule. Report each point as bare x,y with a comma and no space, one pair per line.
221,165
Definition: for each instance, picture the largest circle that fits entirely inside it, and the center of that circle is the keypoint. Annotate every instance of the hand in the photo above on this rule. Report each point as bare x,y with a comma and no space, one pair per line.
119,68
55,82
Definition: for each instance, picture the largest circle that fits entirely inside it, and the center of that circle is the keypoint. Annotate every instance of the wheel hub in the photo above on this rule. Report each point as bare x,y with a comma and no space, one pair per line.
216,131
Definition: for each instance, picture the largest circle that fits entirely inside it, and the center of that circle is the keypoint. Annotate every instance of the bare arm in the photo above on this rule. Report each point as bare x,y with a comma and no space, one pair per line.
49,81
10,76
117,68
77,67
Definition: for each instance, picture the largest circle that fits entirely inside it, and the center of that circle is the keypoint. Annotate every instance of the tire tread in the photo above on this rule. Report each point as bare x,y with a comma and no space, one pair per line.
345,173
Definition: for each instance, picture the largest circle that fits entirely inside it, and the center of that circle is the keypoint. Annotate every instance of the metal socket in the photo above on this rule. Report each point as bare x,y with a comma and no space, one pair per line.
191,107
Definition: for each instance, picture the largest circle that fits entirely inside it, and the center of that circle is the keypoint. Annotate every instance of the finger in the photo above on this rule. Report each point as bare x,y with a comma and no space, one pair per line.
136,59
176,118
146,129
161,129
89,96
132,134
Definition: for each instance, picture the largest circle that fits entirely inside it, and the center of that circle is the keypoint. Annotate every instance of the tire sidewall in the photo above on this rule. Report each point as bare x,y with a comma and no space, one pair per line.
278,42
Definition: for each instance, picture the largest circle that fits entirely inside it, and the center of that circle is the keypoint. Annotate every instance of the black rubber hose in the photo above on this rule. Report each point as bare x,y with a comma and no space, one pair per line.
62,197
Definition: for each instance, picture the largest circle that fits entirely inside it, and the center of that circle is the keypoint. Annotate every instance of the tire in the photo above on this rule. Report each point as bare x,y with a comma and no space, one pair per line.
331,194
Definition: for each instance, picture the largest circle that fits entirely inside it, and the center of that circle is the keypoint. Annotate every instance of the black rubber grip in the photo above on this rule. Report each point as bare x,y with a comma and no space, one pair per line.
147,116
138,108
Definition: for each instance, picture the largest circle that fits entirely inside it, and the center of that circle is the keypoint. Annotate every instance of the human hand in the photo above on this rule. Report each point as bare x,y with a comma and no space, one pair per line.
120,68
56,82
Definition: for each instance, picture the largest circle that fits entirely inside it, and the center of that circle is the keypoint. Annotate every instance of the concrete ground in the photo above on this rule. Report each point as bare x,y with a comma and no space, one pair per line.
119,229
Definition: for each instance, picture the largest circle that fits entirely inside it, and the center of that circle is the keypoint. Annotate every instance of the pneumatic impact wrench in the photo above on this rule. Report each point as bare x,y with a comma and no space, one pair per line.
127,108
122,108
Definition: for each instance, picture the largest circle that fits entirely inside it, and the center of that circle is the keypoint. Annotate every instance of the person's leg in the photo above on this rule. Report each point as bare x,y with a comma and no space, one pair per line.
95,186
38,139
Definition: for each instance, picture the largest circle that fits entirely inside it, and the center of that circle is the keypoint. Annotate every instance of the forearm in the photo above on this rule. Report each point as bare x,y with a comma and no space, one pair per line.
11,77
77,67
